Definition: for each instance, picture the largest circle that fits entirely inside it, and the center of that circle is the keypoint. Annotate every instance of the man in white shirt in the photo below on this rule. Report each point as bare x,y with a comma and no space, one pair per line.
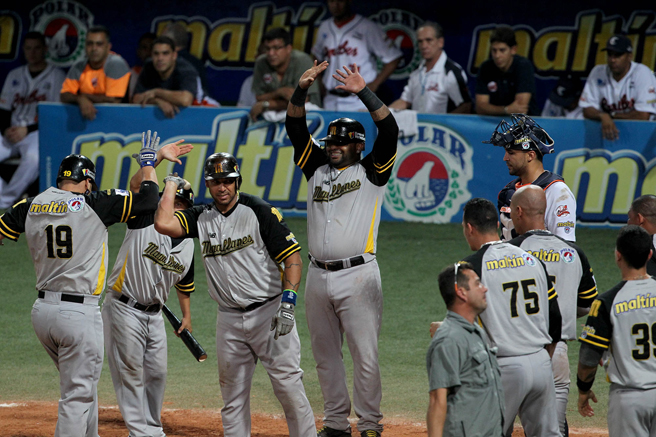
620,90
439,85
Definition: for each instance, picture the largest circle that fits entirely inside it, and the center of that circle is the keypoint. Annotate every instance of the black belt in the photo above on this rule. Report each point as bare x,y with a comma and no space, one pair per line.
256,305
339,93
333,266
145,308
75,298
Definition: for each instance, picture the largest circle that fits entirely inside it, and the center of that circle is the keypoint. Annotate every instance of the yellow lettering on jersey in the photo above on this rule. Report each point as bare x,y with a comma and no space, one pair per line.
546,255
275,212
594,308
157,257
229,245
506,262
639,302
49,208
337,191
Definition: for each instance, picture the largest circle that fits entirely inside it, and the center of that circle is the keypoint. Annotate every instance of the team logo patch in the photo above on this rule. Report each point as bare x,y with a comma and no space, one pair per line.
122,192
76,204
291,237
562,211
529,260
430,176
568,255
567,226
400,27
267,78
65,25
492,87
587,330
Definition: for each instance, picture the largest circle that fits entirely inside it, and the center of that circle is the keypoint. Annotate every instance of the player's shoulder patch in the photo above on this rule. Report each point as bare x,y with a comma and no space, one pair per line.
277,213
76,204
121,192
568,255
291,237
529,259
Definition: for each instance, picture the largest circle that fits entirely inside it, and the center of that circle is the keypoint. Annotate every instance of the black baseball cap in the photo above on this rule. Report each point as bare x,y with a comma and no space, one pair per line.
567,90
618,44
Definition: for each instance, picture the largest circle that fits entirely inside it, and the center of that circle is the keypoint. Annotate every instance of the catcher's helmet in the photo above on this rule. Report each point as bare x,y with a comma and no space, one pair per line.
523,134
344,131
222,165
77,168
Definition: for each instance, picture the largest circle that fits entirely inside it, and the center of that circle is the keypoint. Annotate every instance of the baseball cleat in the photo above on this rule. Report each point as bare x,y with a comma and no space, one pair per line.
327,431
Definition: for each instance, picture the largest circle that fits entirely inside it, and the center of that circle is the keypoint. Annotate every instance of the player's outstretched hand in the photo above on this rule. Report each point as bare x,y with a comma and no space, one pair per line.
171,151
178,181
148,154
283,321
311,74
585,409
353,82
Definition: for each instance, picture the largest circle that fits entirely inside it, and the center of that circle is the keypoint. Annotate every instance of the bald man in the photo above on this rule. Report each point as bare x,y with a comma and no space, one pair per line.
568,270
643,213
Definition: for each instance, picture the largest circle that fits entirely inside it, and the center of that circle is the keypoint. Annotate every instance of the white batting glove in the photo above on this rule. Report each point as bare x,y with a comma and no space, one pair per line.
283,321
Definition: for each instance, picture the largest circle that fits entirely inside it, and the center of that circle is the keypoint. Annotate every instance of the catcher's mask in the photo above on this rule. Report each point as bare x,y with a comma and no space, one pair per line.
523,134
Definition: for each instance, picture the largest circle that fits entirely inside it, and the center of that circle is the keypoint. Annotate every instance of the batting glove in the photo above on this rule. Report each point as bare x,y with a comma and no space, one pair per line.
147,156
179,182
283,321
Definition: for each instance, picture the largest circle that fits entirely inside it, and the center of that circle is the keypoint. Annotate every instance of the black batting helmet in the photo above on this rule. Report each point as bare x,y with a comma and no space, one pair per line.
344,131
222,165
186,195
77,168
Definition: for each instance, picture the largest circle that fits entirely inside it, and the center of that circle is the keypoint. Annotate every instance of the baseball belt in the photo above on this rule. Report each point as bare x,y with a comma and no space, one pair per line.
154,308
334,266
75,298
256,305
339,93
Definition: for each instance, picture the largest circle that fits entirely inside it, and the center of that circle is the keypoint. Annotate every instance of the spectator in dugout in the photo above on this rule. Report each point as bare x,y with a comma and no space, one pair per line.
506,82
178,33
563,100
276,73
144,48
166,80
101,78
439,85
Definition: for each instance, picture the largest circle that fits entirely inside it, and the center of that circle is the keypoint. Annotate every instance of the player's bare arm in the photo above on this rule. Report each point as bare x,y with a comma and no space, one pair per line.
165,221
169,109
185,307
608,128
632,115
463,108
293,268
101,98
306,80
87,110
586,374
400,105
175,97
436,416
384,74
354,83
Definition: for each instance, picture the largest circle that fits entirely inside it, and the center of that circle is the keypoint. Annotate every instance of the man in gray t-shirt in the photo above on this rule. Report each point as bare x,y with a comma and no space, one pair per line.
463,372
276,73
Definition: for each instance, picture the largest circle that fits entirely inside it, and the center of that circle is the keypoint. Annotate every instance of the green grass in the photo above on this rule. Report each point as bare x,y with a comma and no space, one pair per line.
410,255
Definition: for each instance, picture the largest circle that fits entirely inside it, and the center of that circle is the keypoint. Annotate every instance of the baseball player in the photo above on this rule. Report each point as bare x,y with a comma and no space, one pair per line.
245,243
526,143
621,90
66,231
643,214
522,320
24,88
569,271
343,292
351,39
148,264
621,321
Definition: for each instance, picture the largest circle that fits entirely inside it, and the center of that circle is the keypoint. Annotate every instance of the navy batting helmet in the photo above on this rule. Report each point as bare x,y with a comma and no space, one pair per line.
77,168
344,131
222,165
523,134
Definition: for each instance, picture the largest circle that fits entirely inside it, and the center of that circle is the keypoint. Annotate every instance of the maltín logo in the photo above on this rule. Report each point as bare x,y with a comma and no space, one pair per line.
64,24
430,176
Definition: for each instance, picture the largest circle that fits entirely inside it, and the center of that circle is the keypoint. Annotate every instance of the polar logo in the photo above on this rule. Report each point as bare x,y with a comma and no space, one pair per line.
76,204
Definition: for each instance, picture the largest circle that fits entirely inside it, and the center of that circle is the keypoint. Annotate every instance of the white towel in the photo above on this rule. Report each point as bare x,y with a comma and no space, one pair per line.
278,116
407,121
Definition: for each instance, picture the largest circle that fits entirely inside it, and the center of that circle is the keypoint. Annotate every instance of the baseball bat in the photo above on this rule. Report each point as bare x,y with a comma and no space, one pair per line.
192,344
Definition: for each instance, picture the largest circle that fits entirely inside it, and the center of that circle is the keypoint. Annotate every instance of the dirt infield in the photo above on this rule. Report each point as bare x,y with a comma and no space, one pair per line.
37,419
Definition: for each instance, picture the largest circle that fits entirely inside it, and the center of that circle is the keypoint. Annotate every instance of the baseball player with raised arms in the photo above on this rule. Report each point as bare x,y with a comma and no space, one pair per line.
526,143
147,266
622,321
66,231
569,271
245,243
522,320
620,90
24,88
343,293
351,39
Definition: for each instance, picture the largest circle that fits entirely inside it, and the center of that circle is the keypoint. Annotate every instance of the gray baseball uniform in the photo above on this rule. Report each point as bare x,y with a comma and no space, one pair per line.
21,95
571,275
521,318
147,266
67,236
242,252
343,291
622,321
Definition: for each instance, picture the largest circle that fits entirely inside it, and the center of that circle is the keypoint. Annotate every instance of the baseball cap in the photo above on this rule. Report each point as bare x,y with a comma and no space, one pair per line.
568,89
618,44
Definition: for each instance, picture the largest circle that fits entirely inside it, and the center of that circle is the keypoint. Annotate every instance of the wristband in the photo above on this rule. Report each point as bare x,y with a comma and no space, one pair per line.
582,385
299,96
289,296
369,99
